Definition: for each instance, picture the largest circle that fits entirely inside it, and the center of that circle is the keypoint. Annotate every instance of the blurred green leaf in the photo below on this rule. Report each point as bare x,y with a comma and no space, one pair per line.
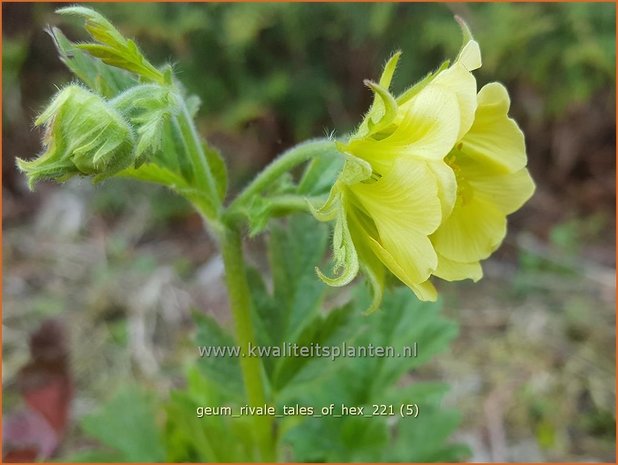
127,425
365,381
216,438
221,369
294,252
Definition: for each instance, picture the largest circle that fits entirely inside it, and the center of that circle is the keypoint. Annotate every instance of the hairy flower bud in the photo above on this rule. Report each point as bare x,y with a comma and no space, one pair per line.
84,135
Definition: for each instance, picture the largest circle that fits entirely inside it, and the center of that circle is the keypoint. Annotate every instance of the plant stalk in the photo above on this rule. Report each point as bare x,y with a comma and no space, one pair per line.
251,367
193,145
286,161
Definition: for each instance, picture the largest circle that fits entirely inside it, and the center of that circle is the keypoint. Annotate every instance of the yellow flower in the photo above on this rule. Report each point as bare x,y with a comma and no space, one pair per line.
395,188
492,182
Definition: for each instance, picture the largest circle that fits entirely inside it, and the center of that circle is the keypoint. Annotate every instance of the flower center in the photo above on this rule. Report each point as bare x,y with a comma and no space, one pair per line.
464,189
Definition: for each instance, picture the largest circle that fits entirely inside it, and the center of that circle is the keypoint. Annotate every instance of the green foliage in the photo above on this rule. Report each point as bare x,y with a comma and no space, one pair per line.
219,170
561,258
367,381
127,427
222,371
270,58
289,310
190,438
291,313
294,251
574,45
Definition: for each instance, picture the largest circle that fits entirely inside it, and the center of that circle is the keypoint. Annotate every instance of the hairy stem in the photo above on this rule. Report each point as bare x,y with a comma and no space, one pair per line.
286,161
251,367
203,176
284,204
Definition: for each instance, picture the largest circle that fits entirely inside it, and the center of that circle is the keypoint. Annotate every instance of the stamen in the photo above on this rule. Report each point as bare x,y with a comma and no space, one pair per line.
375,177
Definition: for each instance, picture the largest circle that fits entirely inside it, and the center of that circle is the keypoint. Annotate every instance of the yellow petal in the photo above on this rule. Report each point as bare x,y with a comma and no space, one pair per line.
406,271
462,83
425,291
474,230
428,128
405,208
470,56
470,53
404,198
456,271
494,137
508,192
447,185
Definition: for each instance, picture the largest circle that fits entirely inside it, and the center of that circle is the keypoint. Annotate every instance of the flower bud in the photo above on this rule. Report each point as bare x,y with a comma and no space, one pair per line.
84,135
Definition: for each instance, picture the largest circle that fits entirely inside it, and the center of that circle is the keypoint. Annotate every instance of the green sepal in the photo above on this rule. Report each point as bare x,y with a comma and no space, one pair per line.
84,135
112,47
345,258
218,169
99,77
420,85
388,107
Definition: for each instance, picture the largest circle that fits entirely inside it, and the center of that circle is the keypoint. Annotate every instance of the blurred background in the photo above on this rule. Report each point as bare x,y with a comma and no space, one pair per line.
99,281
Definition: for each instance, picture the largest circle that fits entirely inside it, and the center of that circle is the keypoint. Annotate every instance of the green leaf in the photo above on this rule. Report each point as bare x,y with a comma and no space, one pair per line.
222,369
345,440
209,438
402,322
426,393
325,331
127,425
173,152
362,381
425,439
294,252
149,114
151,172
282,316
320,174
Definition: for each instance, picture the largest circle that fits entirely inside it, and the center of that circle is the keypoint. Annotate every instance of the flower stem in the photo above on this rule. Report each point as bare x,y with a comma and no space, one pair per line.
284,204
284,163
203,176
251,367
